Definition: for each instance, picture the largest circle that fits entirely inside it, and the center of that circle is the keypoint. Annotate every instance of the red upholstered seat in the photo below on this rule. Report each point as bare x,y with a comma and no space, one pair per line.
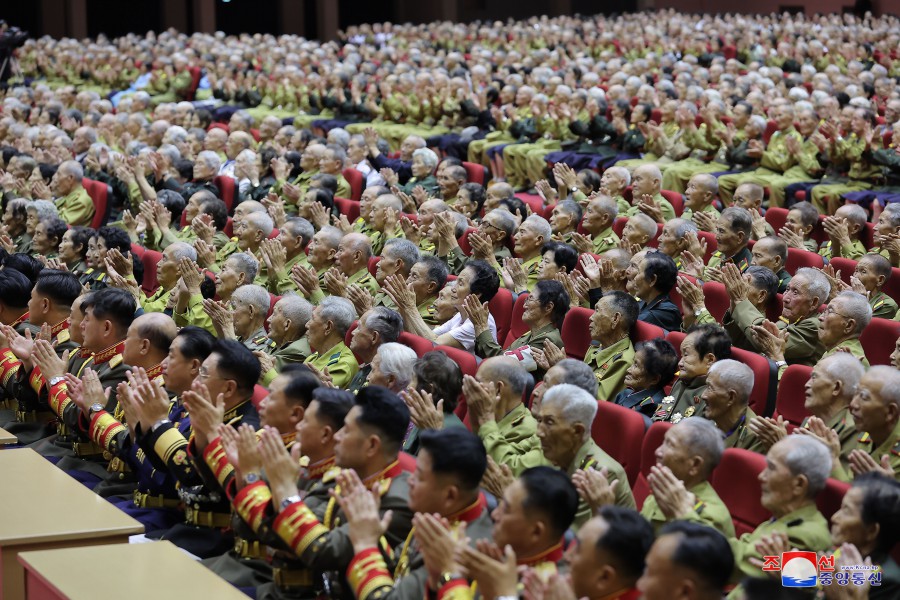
347,207
644,331
829,500
792,395
675,338
776,217
99,193
356,181
576,332
150,259
373,264
407,462
799,258
762,370
717,299
878,340
475,173
736,480
653,439
417,343
463,241
226,190
516,327
501,306
619,431
675,199
259,394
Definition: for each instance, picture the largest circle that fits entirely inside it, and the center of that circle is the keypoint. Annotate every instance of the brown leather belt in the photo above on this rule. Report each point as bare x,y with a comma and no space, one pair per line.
85,449
288,578
202,518
142,500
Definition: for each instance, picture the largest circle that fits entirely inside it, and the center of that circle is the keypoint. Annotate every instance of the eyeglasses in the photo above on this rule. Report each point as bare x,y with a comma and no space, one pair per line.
830,311
489,224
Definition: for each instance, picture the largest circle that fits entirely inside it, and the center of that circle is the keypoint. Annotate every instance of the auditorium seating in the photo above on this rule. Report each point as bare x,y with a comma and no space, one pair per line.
619,431
653,439
792,395
736,480
576,332
99,193
356,181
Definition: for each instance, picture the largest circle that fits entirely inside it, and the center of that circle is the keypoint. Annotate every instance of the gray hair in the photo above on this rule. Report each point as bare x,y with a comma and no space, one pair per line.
846,368
403,249
297,309
576,405
705,439
645,223
816,283
332,237
245,264
253,295
73,168
429,158
683,227
608,206
505,221
44,209
540,226
890,390
339,311
734,375
210,159
339,136
857,308
579,374
809,457
624,173
759,122
389,200
170,152
299,227
182,250
397,360
388,323
261,221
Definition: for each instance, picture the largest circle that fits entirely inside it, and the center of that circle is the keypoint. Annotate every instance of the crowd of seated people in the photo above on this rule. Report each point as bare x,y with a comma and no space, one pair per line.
617,295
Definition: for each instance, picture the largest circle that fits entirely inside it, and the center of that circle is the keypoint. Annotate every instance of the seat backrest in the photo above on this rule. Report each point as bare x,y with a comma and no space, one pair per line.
762,371
892,287
259,394
675,338
466,360
771,128
348,207
226,189
475,173
150,259
349,335
373,264
463,242
535,203
138,250
675,199
99,193
776,217
548,211
417,343
356,181
576,332
799,258
879,339
711,244
501,306
619,431
653,439
717,299
407,462
619,225
846,266
736,481
792,395
516,327
775,308
644,331
829,500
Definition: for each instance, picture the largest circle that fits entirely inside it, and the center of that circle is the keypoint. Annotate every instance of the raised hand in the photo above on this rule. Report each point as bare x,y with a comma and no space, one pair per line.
671,495
282,468
478,313
422,410
594,487
360,507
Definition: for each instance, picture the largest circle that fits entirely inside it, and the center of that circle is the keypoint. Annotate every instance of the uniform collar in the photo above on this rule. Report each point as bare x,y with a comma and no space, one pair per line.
471,512
20,320
318,469
64,324
554,554
389,472
107,355
154,372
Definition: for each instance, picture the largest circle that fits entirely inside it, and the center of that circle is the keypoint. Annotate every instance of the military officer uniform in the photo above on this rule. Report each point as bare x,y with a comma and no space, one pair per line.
340,362
259,341
854,251
803,345
512,437
740,436
708,510
605,240
683,401
742,259
485,346
609,365
360,379
665,207
774,162
853,346
890,447
591,456
645,402
290,353
76,208
883,306
842,423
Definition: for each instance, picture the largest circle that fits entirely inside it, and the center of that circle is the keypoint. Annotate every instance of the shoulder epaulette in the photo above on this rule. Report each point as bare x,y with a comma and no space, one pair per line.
331,474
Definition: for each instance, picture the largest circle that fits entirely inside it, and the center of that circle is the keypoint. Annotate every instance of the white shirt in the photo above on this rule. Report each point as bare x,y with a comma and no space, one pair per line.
373,177
463,331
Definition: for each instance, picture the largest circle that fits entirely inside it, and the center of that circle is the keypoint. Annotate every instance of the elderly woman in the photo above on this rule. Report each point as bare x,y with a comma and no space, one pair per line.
432,396
470,200
651,278
392,367
254,174
545,309
424,162
73,249
654,366
105,240
47,237
35,212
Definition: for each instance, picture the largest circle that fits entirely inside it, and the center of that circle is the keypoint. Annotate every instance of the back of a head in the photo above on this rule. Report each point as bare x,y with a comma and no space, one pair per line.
627,540
333,405
579,374
15,289
456,452
196,342
237,362
301,383
388,323
384,412
574,404
27,265
550,493
704,552
711,339
485,282
61,287
440,376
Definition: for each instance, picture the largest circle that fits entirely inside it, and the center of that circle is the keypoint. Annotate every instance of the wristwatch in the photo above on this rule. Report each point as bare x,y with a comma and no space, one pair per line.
53,381
252,478
780,363
699,311
95,408
574,188
158,424
290,500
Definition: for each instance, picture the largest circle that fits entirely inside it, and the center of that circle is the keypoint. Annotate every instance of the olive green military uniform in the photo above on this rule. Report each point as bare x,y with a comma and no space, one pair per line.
805,527
697,147
665,208
456,260
774,162
854,347
883,306
688,213
605,240
258,340
803,345
683,401
157,301
485,346
339,361
843,425
280,282
591,456
290,353
609,366
740,435
708,510
742,259
854,251
508,440
76,208
808,168
361,278
862,170
890,447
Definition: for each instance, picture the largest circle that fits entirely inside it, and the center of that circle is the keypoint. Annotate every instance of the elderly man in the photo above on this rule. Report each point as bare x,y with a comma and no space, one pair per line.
684,461
287,329
167,274
698,201
393,367
398,257
828,392
728,388
351,267
645,189
795,473
450,179
568,370
72,201
385,221
402,166
564,430
842,323
597,222
608,558
564,220
611,351
249,306
378,326
530,238
771,252
807,290
687,560
673,240
280,255
326,331
732,235
873,271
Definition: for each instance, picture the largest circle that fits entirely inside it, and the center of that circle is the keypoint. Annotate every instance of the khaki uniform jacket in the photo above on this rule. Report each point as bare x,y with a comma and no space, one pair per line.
741,437
605,240
76,208
853,346
609,365
803,345
683,401
339,361
708,510
591,456
510,439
